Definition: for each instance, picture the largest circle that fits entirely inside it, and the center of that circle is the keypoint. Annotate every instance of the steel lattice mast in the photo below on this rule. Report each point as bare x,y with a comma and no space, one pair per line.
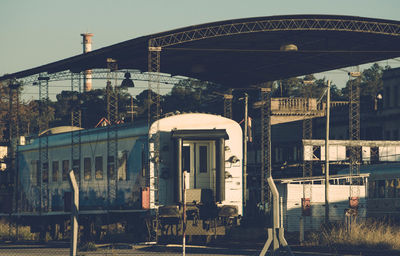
354,129
266,198
112,133
76,121
43,167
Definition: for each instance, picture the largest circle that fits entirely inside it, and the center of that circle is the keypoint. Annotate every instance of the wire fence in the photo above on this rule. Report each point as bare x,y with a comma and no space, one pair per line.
120,239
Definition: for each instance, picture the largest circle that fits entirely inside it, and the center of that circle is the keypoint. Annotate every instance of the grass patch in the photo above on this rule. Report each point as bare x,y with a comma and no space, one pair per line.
369,235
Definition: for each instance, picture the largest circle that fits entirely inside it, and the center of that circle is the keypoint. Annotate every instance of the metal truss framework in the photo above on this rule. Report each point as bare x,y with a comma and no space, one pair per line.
307,134
266,172
301,24
102,74
43,142
320,24
112,133
228,105
154,62
13,129
76,121
354,131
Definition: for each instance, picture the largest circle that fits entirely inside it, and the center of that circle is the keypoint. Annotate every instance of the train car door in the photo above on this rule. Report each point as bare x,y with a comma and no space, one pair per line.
199,161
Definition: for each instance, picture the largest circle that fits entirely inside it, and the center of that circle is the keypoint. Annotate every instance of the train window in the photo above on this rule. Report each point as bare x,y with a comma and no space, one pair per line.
55,168
381,188
122,165
65,170
186,158
76,166
87,168
371,189
111,168
33,172
98,166
203,155
38,172
143,162
45,173
391,190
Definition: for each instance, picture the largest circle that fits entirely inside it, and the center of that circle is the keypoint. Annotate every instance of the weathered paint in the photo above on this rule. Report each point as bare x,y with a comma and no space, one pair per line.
338,202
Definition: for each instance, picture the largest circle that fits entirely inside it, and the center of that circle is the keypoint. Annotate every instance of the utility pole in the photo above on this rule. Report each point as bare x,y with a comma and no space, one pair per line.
74,213
328,102
246,102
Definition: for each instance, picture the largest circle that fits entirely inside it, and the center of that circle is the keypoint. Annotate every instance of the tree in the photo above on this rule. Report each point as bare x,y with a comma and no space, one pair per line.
370,85
194,96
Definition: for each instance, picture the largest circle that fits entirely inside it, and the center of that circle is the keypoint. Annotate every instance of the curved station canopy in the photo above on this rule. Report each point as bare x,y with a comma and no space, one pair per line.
244,52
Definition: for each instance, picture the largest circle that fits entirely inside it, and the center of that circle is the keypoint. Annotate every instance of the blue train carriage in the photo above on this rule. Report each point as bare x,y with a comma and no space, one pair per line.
116,183
209,149
110,181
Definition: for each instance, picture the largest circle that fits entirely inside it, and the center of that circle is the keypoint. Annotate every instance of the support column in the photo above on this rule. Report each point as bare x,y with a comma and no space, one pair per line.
265,147
245,139
307,134
112,133
13,132
228,104
328,103
178,175
354,129
43,170
76,121
220,175
154,81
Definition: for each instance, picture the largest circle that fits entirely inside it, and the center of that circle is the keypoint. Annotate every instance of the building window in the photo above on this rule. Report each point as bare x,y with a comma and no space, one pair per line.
386,99
55,168
98,166
65,171
87,168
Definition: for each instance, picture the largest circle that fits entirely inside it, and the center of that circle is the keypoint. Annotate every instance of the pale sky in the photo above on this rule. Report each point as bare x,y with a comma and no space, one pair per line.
37,32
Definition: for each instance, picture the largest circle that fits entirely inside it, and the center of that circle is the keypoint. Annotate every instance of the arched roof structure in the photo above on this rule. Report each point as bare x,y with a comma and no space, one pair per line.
242,52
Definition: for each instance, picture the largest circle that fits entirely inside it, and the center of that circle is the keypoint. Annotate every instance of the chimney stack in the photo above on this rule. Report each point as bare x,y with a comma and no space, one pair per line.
87,47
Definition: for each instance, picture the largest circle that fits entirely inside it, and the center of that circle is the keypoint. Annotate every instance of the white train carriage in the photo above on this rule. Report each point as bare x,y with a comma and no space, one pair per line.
303,200
133,180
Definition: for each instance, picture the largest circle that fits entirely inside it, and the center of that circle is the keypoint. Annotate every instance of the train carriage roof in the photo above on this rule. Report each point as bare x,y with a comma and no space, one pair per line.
244,52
